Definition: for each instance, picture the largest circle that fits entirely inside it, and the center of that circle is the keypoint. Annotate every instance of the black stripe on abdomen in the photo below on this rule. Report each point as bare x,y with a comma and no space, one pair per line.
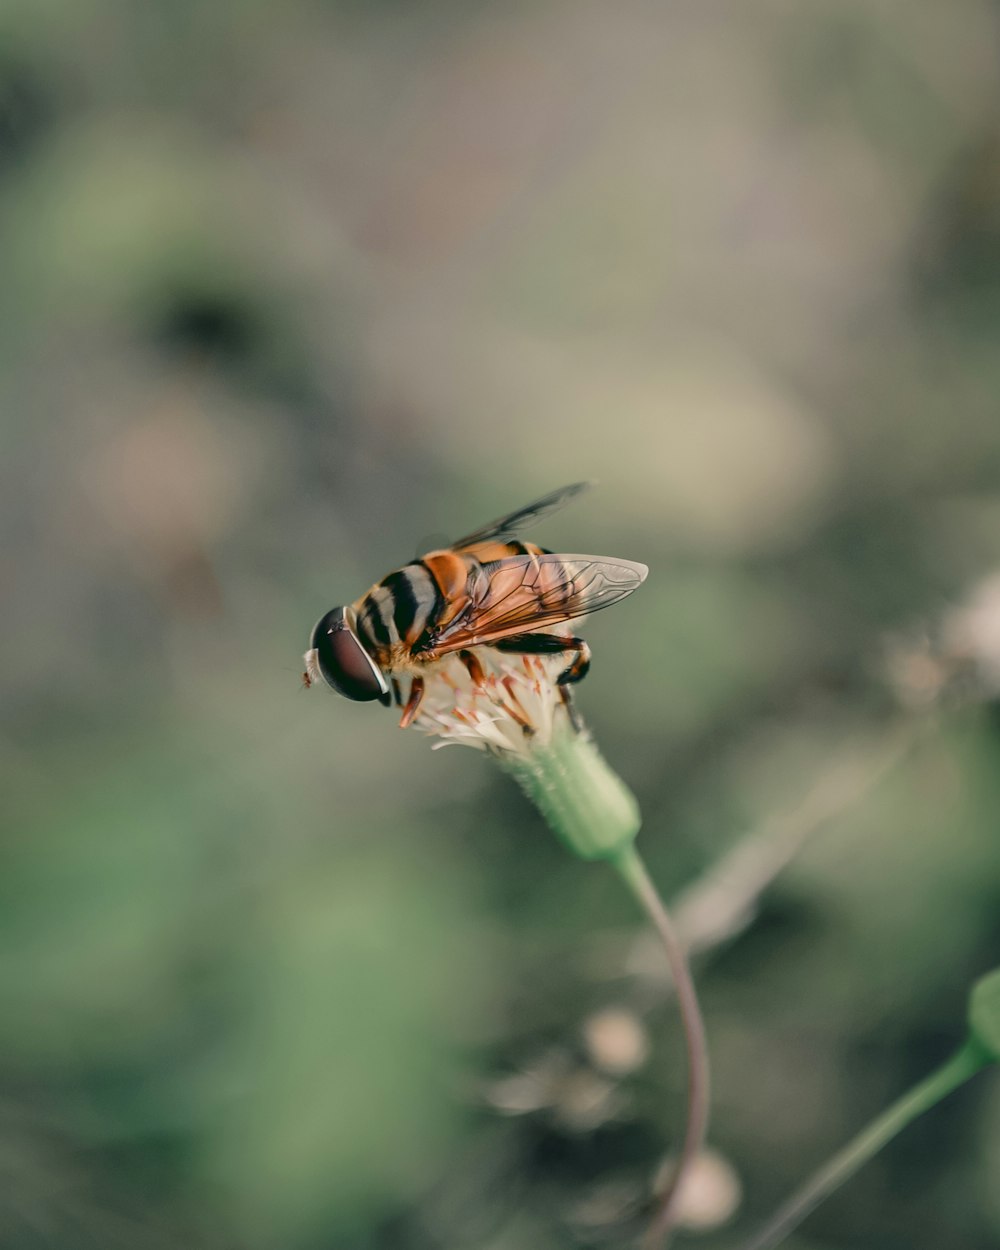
371,626
404,601
431,603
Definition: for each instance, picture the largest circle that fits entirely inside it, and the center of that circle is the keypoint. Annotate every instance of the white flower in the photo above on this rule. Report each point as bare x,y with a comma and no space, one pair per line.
513,706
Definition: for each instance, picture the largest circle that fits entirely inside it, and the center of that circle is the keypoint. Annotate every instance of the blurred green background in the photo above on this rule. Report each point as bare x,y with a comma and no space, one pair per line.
289,287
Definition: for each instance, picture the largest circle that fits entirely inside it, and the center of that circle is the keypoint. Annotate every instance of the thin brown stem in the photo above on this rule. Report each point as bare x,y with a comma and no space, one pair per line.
633,870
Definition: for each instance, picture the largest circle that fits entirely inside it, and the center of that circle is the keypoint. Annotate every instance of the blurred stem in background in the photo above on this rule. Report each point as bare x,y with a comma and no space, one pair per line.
981,1048
629,863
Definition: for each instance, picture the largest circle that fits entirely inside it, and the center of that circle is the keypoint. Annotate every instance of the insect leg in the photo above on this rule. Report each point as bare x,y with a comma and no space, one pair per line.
397,693
473,667
574,716
550,644
580,666
413,702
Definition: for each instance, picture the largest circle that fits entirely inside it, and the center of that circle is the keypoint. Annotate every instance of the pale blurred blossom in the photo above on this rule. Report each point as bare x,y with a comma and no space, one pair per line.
575,1096
917,672
960,657
711,1192
616,1040
971,633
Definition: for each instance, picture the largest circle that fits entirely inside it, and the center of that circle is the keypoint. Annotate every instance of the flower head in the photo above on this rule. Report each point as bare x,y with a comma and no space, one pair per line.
513,708
503,704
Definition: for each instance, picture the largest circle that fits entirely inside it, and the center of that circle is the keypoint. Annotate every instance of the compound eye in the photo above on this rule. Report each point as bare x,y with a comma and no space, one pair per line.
343,661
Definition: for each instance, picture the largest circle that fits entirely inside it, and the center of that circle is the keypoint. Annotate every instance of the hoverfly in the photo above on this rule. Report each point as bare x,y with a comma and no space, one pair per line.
488,589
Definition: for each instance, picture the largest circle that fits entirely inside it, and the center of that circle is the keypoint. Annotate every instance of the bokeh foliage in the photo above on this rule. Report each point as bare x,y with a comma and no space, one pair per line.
289,288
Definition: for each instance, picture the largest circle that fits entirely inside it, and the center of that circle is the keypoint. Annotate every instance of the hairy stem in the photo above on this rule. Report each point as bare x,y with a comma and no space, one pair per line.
965,1063
633,870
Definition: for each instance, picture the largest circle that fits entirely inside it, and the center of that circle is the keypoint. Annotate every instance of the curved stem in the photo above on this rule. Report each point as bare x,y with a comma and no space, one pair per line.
629,863
965,1063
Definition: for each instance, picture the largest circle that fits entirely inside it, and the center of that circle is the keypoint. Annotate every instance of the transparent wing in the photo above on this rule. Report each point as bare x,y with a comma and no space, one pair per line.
522,594
514,522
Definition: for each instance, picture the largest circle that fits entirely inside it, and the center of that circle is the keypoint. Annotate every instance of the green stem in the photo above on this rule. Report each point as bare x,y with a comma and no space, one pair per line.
964,1064
583,801
593,812
631,867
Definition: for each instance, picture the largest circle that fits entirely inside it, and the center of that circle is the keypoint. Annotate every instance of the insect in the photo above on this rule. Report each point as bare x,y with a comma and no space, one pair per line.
488,589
